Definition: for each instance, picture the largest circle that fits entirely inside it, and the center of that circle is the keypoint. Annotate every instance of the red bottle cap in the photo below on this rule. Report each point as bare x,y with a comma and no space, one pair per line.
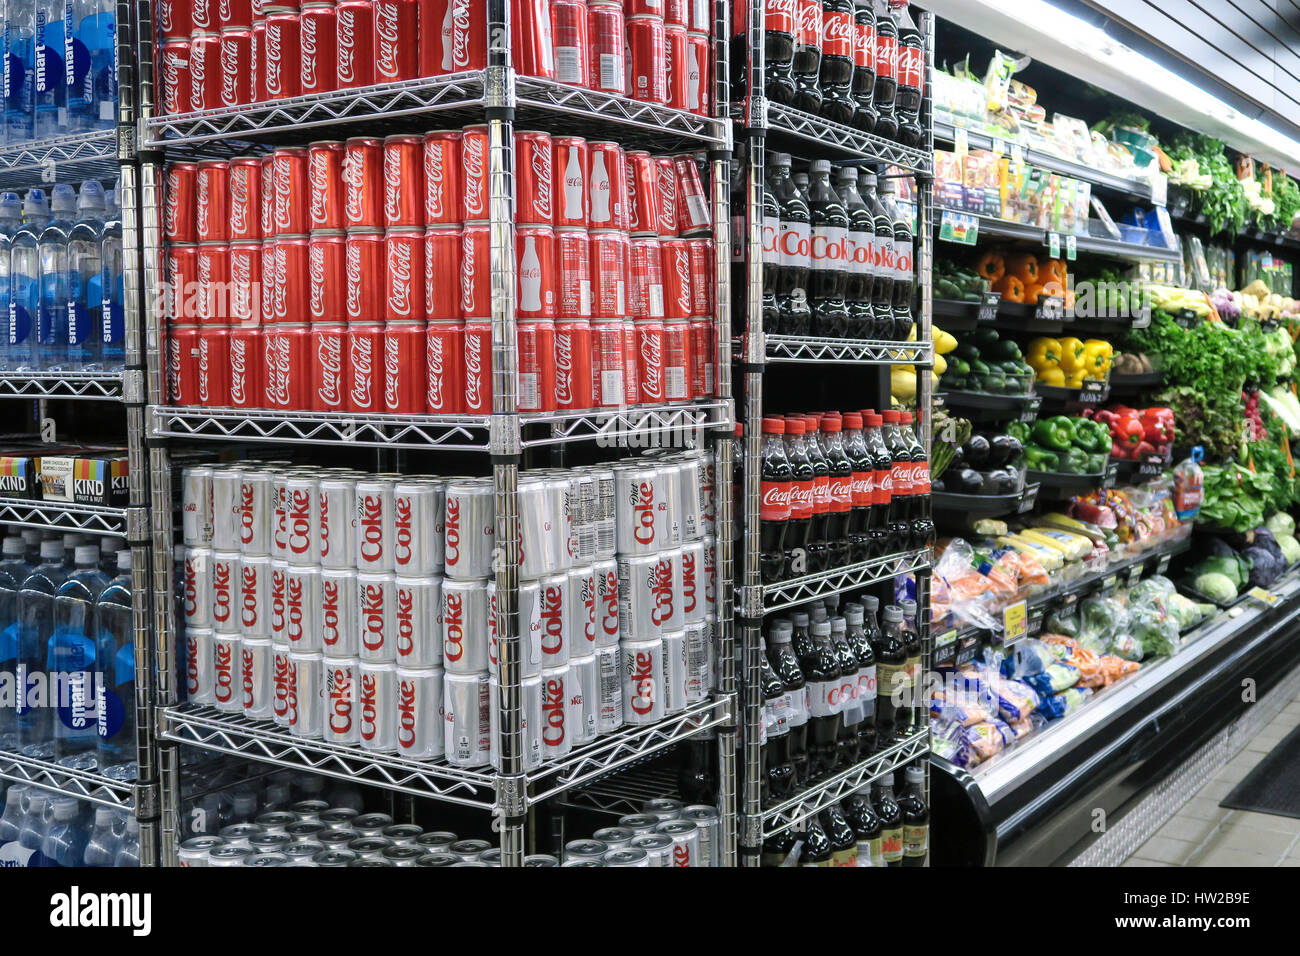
773,426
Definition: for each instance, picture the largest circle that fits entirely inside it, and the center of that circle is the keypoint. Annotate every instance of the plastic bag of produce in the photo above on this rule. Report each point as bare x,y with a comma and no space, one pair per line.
1055,678
1113,668
988,738
1152,630
1056,706
1016,699
1064,620
1102,618
1075,654
1126,646
1030,657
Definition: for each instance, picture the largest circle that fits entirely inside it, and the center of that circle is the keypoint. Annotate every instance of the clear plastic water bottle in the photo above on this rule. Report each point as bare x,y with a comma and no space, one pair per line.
33,829
105,837
12,817
25,283
72,658
32,546
71,541
85,296
36,622
13,572
11,220
128,852
19,67
112,289
51,86
109,545
116,657
65,842
52,252
91,78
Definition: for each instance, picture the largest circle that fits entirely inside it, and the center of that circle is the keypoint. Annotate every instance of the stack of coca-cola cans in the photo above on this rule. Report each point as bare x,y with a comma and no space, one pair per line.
293,279
225,53
361,609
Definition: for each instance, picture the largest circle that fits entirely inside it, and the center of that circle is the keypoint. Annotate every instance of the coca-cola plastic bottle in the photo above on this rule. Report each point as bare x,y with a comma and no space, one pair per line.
846,740
794,242
864,65
780,654
802,499
837,61
821,672
830,226
778,772
802,646
900,503
861,481
902,262
911,82
878,531
923,532
886,76
882,289
817,849
771,259
916,817
780,21
859,243
808,57
774,513
818,540
841,490
856,615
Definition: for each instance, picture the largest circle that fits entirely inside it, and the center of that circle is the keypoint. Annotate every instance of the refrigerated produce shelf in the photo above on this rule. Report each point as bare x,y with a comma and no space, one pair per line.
808,587
997,228
62,516
82,784
70,159
801,348
93,385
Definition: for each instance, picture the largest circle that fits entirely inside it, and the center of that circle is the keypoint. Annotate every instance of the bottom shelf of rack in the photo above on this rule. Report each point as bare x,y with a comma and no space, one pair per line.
82,784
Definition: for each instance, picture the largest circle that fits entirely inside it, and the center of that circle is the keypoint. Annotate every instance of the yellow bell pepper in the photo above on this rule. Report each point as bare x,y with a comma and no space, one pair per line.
1052,376
1075,379
1072,354
1097,356
1044,353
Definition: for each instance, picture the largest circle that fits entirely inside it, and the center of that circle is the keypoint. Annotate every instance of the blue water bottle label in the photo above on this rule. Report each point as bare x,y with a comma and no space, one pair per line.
9,646
124,665
22,678
79,324
14,853
79,710
78,71
113,322
20,324
112,714
48,318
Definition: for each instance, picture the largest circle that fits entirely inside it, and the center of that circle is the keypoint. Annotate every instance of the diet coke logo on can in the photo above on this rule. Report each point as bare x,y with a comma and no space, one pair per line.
454,624
552,620
542,181
689,572
369,706
405,621
191,589
246,670
238,371
402,529
372,616
331,625
609,609
399,279
224,668
663,590
192,688
278,576
652,383
329,360
280,681
340,685
643,683
299,519
386,33
434,357
643,511
294,601
362,369
371,523
553,709
246,505
406,719
473,371
451,530
222,598
473,159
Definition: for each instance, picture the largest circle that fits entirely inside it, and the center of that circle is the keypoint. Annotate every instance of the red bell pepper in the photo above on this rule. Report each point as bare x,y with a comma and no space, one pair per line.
1158,425
1128,431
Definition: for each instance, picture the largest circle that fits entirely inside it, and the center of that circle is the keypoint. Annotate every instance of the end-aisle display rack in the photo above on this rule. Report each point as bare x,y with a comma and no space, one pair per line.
506,101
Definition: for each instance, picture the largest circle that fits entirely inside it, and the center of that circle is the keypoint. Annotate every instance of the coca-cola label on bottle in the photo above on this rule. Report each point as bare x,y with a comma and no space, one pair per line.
776,500
862,488
824,698
920,477
779,16
796,244
771,240
884,486
903,259
886,55
864,46
901,474
837,34
911,62
810,23
821,494
827,246
885,256
841,492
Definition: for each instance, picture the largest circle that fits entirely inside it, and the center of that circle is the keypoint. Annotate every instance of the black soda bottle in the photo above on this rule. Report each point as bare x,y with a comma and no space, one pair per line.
775,484
830,226
859,245
808,57
821,672
900,493
818,546
912,645
780,654
855,616
844,844
802,646
794,245
866,828
802,494
882,485
837,61
780,21
923,532
910,82
891,671
816,846
697,769
778,772
771,259
776,849
841,490
916,817
891,820
886,76
902,265
882,289
864,65
860,482
846,740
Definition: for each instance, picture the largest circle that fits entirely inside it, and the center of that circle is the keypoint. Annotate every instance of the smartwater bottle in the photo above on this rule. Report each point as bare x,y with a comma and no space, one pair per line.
19,69
52,255
11,220
48,75
13,572
112,289
36,622
85,298
25,284
72,660
116,654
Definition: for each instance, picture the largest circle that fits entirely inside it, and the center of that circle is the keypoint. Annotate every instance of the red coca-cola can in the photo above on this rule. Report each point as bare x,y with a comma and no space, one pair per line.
246,370
212,201
175,84
474,182
476,271
700,16
326,269
406,379
573,365
442,272
642,212
403,181
572,273
569,195
397,40
676,14
607,363
280,60
236,64
183,364
536,339
237,13
605,31
535,267
291,215
329,367
477,349
364,264
702,269
245,199
703,349
355,43
245,283
697,73
445,364
532,49
404,276
175,18
675,68
677,360
271,383
608,252
693,215
318,39
666,196
644,8
459,44
213,268
293,342
268,279
631,364
181,267
325,185
650,361
363,198
534,182
606,186
442,178
257,57
364,362
267,206
213,367
180,186
645,278
648,65
569,39
292,280
676,258
205,71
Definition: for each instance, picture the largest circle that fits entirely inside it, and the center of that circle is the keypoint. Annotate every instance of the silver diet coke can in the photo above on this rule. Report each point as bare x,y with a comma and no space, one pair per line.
255,597
339,619
417,528
469,528
255,672
638,499
538,527
557,736
225,588
530,628
686,841
708,822
194,851
200,685
669,504
301,602
255,512
377,706
420,713
196,506
306,694
691,595
302,520
530,704
280,685
674,672
341,718
605,573
376,615
609,699
465,626
639,618
196,587
226,664
374,531
658,846
466,719
584,690
699,680
668,590
418,619
556,600
643,681
225,509
337,504
582,610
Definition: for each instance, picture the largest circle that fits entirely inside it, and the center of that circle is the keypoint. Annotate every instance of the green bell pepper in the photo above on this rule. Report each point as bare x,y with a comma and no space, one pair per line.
1097,463
1074,461
1019,431
1038,458
1093,437
1055,433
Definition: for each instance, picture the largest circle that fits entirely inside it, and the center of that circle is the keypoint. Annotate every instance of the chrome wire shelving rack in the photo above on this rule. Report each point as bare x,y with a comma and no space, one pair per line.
63,516
75,157
766,125
38,385
68,781
506,101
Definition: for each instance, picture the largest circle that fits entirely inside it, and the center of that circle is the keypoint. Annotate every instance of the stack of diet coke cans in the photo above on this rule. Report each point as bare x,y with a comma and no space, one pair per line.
664,833
224,53
293,280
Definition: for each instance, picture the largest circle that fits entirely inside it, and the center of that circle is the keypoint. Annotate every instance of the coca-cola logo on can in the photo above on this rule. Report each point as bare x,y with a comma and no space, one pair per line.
553,711
392,370
223,666
238,371
340,691
405,615
643,683
454,626
369,706
329,366
473,371
643,512
362,370
307,46
472,148
371,524
434,359
652,366
460,12
347,47
406,719
386,32
541,163
400,275
563,369
372,616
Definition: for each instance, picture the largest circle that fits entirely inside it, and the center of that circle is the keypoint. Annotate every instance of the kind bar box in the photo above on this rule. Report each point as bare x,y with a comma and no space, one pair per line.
85,480
18,478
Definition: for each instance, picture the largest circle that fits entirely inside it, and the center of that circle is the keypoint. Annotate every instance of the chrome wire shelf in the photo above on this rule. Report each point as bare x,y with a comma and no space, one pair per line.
82,784
62,515
799,348
91,385
835,140
819,796
628,427
786,594
72,159
625,793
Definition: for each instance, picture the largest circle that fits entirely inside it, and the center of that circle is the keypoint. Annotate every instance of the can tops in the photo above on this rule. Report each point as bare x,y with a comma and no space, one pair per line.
436,838
436,859
584,849
653,841
677,826
627,856
540,859
701,813
610,835
773,426
584,862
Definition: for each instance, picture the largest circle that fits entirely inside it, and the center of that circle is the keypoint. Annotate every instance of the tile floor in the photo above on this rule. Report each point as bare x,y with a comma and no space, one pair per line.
1204,834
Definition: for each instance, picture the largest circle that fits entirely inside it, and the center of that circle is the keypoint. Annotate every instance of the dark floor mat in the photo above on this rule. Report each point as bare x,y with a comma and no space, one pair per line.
1274,785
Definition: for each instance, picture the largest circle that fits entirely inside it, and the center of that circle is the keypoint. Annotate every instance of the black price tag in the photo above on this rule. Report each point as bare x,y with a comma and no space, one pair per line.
1108,582
1051,308
988,307
945,648
967,650
1135,574
1029,412
1028,499
1108,478
1151,466
1093,392
1035,623
1163,564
